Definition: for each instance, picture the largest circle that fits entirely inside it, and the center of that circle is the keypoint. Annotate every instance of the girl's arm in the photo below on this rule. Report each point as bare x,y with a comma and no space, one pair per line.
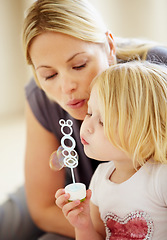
97,221
95,230
40,181
79,215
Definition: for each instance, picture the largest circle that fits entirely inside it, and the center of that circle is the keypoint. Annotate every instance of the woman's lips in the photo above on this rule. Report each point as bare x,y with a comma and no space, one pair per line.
76,103
83,141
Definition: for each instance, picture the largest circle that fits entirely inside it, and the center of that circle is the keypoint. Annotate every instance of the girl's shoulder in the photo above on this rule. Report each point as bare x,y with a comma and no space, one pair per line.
158,177
156,169
104,169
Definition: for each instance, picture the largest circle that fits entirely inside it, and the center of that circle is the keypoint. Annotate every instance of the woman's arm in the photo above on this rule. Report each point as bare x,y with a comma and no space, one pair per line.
41,182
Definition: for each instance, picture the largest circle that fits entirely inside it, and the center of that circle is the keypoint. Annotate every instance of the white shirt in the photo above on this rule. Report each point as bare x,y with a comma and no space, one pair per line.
136,208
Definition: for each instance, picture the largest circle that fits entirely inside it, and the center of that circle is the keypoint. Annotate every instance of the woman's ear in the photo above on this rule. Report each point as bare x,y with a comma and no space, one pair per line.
111,45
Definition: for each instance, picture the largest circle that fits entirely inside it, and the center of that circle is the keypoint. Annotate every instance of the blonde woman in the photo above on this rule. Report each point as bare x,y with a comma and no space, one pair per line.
67,44
126,125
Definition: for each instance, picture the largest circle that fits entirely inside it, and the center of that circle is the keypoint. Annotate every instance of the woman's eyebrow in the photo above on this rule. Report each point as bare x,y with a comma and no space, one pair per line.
42,66
45,66
76,54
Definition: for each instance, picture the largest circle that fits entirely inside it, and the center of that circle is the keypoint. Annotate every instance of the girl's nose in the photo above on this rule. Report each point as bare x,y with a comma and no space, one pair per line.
90,127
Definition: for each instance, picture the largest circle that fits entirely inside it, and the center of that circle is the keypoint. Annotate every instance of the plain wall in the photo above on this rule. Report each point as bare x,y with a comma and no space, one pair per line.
13,71
135,18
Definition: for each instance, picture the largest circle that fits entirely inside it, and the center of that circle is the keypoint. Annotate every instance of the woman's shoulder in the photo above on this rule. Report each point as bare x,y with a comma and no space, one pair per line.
157,55
47,112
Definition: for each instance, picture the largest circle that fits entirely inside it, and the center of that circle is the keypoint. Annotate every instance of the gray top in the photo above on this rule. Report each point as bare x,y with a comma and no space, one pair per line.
48,113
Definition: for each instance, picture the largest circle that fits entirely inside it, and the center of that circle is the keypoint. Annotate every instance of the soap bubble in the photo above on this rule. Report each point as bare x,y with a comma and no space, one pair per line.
63,158
56,161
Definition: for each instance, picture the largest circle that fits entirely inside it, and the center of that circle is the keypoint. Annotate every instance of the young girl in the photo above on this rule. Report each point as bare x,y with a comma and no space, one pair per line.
126,125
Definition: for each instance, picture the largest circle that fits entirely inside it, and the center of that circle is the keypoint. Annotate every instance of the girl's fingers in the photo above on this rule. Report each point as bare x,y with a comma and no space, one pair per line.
61,198
75,212
59,192
70,206
88,194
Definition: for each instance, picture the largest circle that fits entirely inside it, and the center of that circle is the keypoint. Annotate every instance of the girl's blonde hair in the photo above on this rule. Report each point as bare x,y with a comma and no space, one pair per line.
134,99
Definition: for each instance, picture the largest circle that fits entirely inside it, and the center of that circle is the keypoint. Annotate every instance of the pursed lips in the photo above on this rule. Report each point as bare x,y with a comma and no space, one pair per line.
83,141
76,103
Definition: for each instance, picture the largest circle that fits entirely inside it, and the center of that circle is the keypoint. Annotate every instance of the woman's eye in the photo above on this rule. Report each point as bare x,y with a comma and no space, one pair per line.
50,76
80,66
100,122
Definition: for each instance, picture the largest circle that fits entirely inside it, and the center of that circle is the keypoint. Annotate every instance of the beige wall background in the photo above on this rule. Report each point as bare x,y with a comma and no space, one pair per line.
13,71
135,18
125,18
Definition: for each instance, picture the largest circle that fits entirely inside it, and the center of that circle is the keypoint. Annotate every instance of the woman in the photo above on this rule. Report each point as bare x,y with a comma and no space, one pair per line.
67,45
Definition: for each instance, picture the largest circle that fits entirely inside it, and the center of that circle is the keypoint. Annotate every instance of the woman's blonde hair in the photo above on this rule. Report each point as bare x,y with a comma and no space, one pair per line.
134,99
76,18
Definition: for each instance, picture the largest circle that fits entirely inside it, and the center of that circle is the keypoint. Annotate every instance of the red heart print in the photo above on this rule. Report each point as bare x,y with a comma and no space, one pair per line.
136,225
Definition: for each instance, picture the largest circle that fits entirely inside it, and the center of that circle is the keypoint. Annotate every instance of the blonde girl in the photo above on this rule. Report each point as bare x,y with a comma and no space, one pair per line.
126,125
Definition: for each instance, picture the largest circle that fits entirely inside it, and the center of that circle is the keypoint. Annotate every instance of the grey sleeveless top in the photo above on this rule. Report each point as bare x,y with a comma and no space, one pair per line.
48,113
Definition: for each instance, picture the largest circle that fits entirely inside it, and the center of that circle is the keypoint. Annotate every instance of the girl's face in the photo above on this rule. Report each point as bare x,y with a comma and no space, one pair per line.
65,67
96,144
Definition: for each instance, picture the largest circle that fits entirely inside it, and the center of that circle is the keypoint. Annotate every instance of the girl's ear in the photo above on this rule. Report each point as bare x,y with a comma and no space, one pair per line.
111,45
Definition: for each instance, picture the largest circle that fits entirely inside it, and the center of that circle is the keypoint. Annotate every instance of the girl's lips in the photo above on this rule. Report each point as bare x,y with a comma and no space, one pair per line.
83,141
76,103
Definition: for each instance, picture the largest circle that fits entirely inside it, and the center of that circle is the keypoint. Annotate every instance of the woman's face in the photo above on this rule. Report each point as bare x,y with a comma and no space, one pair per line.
65,67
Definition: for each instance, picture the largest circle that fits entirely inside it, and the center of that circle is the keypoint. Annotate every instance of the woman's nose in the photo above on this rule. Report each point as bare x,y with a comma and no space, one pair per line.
68,85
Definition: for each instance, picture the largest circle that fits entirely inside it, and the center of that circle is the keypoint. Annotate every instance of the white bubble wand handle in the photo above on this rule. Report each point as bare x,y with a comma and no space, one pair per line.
70,155
76,190
72,173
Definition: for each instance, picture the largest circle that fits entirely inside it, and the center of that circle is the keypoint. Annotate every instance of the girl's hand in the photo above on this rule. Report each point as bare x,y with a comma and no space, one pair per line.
76,212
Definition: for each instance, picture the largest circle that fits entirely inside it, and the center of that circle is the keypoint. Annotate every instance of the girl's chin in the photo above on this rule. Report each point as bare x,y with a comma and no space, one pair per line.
92,154
88,153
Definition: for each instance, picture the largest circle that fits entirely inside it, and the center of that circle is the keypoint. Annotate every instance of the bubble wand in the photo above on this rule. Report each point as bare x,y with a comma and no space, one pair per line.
66,156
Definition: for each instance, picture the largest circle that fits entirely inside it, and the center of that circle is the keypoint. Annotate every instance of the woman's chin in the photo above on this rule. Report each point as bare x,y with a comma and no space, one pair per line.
78,114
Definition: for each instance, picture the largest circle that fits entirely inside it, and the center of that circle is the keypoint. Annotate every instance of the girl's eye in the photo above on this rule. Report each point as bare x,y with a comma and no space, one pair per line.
51,76
88,114
79,67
